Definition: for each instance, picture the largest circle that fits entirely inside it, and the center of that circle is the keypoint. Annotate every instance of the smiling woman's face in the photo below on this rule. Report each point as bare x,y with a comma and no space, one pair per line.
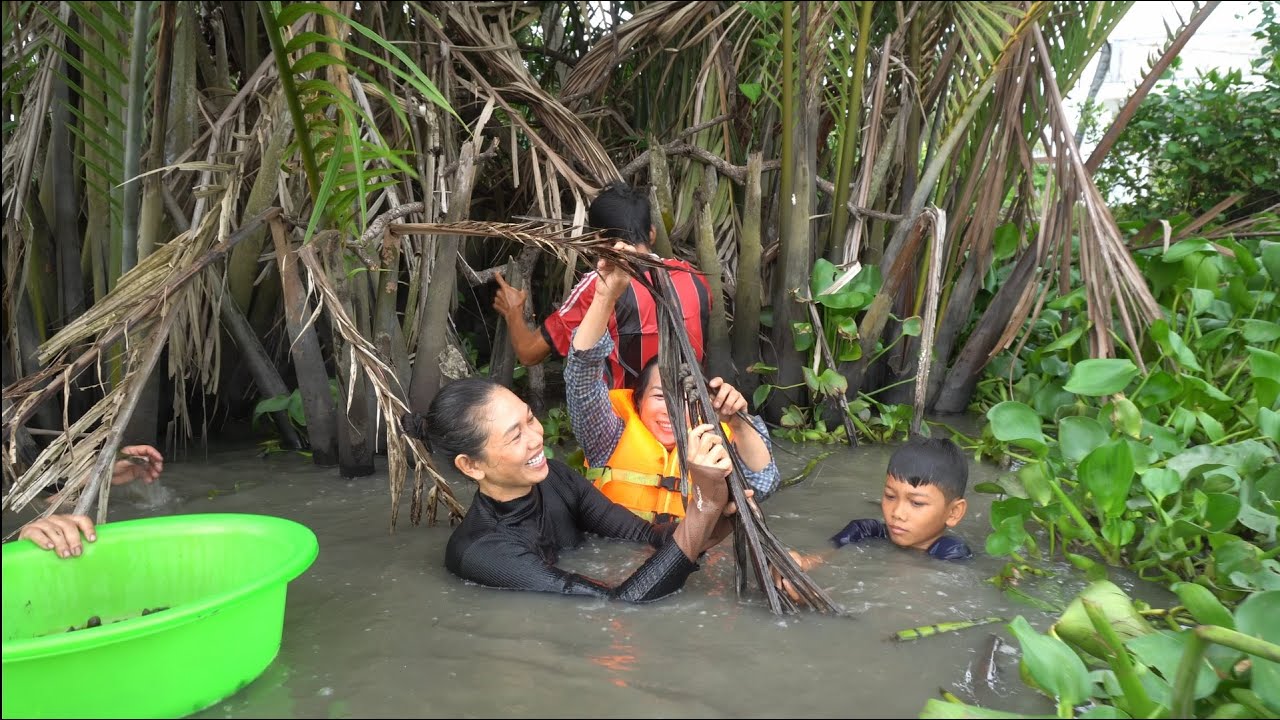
652,409
513,459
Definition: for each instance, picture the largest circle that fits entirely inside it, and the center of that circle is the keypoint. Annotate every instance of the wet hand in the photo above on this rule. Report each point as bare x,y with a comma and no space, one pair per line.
709,465
611,279
139,462
805,562
726,400
60,533
508,301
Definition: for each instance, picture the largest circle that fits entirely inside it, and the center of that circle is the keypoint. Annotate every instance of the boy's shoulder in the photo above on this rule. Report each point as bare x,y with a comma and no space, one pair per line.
950,547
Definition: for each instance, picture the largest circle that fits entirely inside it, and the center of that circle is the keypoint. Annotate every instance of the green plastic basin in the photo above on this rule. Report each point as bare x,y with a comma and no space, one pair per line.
221,578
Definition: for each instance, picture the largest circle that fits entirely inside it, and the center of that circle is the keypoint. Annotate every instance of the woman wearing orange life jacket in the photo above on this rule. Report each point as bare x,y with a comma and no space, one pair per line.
627,435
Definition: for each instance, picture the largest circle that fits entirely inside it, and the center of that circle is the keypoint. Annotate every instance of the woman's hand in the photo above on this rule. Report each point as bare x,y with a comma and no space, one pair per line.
60,533
612,281
727,401
138,462
709,465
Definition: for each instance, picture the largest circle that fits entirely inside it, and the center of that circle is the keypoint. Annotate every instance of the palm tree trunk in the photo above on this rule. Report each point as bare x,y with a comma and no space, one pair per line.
308,362
717,357
432,338
259,364
746,306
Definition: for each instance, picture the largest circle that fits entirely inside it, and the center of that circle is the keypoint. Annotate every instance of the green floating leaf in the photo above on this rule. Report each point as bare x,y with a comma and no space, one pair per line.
1054,666
1108,474
1260,331
1161,482
1095,378
1014,422
1076,629
1163,651
1203,606
1256,616
1078,436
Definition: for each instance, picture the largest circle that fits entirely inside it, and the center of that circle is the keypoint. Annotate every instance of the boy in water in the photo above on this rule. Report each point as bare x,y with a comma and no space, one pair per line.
923,497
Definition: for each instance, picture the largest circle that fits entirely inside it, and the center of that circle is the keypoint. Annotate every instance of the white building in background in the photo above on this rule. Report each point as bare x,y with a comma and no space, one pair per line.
1225,41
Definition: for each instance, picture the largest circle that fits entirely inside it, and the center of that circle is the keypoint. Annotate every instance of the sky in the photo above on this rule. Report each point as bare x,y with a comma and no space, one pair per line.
1224,41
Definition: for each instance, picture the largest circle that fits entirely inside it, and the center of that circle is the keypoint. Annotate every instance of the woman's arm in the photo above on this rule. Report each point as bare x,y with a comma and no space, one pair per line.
750,437
596,426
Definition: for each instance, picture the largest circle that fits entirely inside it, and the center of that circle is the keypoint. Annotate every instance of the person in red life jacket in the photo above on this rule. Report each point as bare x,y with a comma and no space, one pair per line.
633,325
626,435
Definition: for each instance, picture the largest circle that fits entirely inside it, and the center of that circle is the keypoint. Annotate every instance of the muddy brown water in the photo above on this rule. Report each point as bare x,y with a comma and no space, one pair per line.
378,628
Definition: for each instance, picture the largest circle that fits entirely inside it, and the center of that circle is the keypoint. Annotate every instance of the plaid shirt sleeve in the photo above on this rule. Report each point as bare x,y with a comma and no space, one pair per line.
595,425
765,481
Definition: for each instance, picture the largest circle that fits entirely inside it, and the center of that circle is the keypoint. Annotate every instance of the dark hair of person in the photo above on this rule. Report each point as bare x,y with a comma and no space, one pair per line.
643,381
931,461
623,211
452,425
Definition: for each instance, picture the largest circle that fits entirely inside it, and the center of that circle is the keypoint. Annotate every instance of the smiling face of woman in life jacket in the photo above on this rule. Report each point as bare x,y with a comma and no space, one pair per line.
652,408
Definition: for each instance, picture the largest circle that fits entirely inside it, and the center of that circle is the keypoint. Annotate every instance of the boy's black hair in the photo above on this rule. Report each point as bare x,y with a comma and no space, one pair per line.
623,211
931,461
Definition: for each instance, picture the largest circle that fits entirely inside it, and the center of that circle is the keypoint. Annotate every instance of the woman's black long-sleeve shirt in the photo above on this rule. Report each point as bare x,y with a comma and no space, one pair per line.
515,544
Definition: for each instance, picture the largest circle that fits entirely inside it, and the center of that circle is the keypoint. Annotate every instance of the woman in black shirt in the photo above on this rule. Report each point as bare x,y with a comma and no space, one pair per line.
527,508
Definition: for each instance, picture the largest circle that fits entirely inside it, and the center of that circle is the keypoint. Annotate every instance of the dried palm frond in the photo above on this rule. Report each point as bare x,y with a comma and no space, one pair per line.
551,237
758,552
390,396
1074,207
148,305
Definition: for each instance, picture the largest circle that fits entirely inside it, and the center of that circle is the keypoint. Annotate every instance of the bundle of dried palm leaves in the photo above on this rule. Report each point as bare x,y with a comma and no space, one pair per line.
551,237
757,550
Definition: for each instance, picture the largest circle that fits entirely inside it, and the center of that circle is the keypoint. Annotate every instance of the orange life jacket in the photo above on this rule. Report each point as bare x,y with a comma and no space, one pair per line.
641,475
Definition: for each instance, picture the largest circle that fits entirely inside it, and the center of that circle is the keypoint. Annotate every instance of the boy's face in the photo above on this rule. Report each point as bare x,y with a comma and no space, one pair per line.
917,516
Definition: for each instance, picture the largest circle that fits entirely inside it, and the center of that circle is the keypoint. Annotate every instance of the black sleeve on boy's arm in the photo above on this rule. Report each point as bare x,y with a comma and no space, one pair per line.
860,530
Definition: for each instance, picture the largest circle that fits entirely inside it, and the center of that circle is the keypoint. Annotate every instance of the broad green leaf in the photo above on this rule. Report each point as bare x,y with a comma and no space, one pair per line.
1163,651
1053,665
911,326
1173,346
832,383
935,709
1036,480
844,300
1014,422
1260,331
760,395
1269,424
1160,387
1107,472
823,275
1203,605
751,91
1095,378
802,336
1184,248
1221,511
1265,367
1067,339
1004,241
1256,616
1271,261
1078,436
811,379
1126,418
1161,482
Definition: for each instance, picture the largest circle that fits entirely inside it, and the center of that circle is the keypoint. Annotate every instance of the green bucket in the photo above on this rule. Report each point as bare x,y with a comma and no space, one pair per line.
221,579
